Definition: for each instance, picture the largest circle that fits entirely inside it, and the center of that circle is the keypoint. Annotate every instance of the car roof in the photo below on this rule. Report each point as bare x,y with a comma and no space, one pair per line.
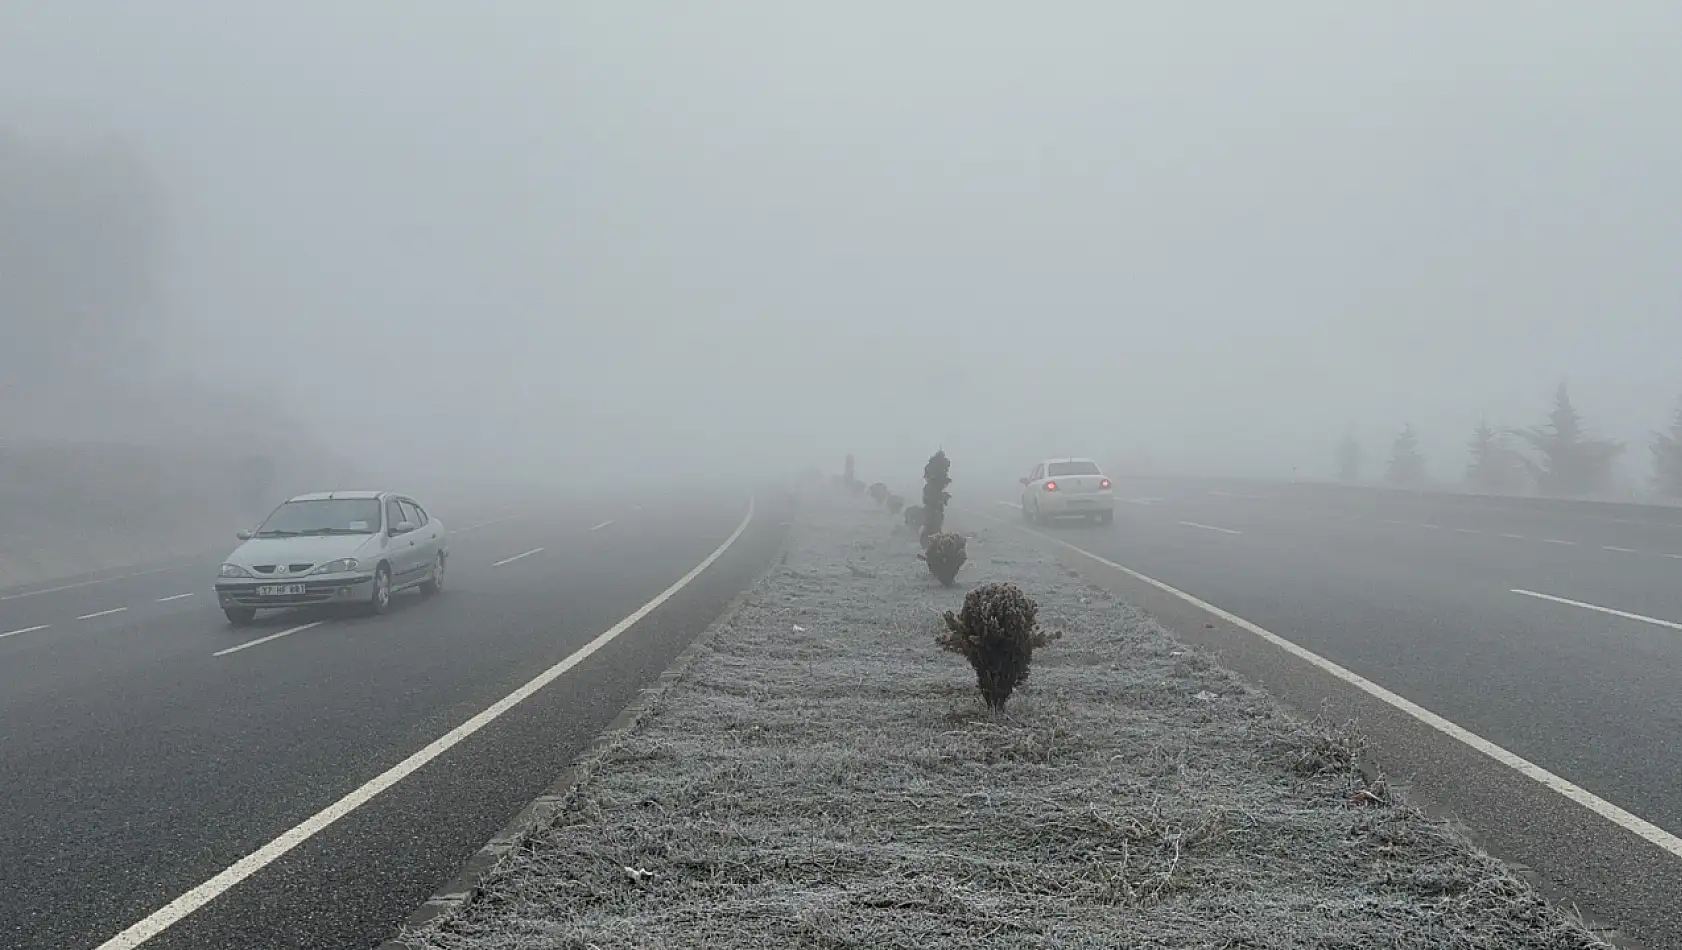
1056,461
325,495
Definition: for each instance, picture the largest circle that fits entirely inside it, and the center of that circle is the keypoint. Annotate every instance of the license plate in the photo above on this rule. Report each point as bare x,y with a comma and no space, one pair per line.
280,590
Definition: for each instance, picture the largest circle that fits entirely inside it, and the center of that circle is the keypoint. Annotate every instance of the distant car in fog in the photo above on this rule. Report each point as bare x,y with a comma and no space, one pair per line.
1067,488
342,547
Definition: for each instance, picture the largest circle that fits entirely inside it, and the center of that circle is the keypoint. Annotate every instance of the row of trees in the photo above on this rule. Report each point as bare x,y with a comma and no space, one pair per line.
1558,457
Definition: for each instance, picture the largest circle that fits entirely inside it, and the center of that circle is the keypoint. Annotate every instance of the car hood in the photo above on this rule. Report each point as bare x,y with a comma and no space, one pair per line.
314,549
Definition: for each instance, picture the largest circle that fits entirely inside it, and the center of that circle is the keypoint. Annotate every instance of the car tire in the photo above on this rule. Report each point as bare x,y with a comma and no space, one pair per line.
1106,517
434,582
379,599
1027,513
1040,516
240,616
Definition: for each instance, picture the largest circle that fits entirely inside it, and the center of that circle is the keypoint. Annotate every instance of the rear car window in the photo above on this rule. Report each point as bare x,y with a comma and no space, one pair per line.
1073,468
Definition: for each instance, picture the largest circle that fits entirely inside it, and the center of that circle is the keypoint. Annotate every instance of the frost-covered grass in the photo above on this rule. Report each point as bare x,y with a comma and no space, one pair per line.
826,776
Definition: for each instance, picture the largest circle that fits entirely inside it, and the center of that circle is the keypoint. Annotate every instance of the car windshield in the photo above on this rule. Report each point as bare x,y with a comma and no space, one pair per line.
323,516
1073,468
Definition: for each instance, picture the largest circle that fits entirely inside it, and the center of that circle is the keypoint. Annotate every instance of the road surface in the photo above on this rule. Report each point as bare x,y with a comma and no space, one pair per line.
1557,635
141,754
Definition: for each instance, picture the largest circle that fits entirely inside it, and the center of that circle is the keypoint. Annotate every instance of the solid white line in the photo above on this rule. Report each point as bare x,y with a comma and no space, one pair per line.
102,613
273,636
99,580
602,525
14,633
176,910
1629,822
1608,547
1556,541
511,560
165,600
1605,610
1209,527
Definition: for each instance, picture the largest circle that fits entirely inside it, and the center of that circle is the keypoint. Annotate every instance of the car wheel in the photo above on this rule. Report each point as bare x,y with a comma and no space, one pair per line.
1039,515
1027,513
435,581
1106,517
240,616
379,599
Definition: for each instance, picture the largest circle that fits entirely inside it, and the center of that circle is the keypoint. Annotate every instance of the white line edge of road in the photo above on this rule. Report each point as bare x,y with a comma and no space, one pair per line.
511,560
273,636
1605,610
98,580
1209,527
18,633
1628,821
180,908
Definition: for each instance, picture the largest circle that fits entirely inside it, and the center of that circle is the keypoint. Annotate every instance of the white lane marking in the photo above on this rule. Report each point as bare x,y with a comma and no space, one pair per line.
602,525
273,636
1141,501
1514,537
99,580
176,910
1393,521
102,613
1608,547
1623,819
1012,504
1557,541
511,560
1674,557
1605,610
1467,531
1209,527
165,600
14,633
1433,527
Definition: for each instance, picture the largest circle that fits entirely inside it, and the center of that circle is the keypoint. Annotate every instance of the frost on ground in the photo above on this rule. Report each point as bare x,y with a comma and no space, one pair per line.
826,776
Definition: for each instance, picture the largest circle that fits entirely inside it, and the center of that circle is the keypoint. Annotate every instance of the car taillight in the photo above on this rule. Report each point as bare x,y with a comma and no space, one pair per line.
1050,486
1104,483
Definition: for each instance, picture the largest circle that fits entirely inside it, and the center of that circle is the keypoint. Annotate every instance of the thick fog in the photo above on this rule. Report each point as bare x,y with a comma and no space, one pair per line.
691,238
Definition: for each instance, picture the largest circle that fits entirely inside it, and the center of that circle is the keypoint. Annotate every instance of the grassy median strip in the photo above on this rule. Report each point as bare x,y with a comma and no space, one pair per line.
826,776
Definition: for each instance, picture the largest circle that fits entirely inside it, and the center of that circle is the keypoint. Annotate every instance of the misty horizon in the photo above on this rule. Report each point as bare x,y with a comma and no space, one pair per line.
735,236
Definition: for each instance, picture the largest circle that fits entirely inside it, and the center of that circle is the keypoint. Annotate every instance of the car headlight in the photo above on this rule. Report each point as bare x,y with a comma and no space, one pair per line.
340,566
232,570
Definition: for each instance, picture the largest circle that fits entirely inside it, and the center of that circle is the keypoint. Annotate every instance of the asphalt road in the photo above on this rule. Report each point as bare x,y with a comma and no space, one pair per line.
136,763
1418,595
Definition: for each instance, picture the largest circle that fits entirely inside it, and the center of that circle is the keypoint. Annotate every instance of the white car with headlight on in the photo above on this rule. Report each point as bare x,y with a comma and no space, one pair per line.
1067,488
341,547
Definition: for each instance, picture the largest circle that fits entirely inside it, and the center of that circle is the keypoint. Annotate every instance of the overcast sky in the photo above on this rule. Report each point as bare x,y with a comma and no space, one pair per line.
1211,233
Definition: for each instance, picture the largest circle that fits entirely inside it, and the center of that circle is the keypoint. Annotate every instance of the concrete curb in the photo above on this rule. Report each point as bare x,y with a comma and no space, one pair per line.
1372,772
465,887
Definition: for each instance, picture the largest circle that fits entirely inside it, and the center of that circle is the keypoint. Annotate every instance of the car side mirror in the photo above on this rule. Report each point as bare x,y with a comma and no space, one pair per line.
244,534
403,527
1023,480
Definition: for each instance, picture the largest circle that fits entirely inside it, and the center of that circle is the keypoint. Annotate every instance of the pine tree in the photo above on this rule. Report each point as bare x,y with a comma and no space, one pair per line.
1572,462
1407,464
1495,466
1349,458
1667,457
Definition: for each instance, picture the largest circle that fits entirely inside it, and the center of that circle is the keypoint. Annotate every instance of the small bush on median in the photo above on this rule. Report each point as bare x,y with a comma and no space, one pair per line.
914,517
944,553
878,492
895,503
935,495
995,632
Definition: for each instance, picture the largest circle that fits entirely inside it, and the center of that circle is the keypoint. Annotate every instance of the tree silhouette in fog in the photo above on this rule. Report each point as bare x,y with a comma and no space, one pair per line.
1349,458
1496,465
1570,461
1407,463
1667,457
